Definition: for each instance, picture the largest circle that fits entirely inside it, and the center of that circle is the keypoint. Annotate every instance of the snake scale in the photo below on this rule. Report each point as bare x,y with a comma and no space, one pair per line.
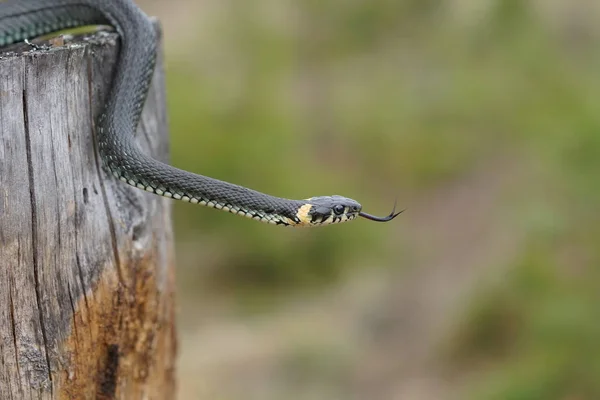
24,19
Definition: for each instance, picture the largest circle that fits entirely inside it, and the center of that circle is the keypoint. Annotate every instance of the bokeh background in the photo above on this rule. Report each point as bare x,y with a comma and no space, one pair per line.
481,116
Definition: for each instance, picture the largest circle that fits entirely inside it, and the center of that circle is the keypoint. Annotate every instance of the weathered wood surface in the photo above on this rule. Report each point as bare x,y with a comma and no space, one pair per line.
86,262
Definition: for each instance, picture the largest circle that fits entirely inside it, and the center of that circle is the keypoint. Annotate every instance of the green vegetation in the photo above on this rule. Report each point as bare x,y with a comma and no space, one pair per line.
374,99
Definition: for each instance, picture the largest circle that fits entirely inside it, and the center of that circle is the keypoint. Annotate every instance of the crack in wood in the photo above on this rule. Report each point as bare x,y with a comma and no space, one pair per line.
111,223
34,233
108,372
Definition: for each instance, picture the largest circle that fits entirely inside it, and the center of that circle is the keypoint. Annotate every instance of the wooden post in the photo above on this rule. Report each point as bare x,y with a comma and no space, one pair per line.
86,262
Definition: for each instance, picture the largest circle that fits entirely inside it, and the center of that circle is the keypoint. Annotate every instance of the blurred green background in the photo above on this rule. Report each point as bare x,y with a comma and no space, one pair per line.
482,117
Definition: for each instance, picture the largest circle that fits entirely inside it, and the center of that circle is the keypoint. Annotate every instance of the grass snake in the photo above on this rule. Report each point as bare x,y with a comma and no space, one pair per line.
24,19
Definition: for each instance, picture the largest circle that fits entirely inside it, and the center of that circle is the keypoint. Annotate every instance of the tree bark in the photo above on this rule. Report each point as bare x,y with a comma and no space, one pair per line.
86,262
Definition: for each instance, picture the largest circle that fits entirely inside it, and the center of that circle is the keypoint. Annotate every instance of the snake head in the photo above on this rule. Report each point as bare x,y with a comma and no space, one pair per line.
325,210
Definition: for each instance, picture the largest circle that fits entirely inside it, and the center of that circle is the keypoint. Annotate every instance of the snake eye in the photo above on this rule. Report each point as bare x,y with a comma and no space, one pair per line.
338,209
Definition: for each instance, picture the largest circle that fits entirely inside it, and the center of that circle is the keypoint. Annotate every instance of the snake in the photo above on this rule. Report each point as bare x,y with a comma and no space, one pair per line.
21,20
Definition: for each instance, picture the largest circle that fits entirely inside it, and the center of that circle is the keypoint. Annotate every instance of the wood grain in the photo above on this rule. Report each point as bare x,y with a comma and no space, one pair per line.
86,262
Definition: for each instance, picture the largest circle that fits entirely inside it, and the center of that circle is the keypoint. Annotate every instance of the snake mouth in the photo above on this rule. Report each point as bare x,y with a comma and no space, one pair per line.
387,218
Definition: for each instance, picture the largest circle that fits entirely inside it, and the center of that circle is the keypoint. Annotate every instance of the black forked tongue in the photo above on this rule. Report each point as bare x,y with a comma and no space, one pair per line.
387,218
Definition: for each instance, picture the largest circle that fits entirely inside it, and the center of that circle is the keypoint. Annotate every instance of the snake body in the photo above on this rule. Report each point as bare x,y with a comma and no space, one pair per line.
121,155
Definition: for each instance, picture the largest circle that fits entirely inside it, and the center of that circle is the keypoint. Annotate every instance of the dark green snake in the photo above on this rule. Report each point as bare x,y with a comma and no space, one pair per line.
25,19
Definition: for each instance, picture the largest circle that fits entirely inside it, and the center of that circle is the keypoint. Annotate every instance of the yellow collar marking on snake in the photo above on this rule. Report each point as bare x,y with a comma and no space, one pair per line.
302,214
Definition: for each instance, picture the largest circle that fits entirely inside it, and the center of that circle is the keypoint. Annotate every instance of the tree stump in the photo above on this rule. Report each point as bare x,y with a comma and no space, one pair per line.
86,262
